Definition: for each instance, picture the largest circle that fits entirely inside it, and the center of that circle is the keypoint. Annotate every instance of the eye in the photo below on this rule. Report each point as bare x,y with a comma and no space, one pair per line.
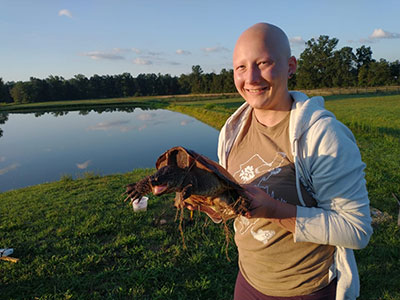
240,68
264,63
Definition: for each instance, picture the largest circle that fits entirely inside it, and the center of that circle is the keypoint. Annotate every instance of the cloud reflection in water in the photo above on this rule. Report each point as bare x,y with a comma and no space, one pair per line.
83,165
9,168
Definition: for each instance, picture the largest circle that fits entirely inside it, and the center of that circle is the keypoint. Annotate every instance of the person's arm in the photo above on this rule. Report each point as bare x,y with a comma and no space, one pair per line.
342,216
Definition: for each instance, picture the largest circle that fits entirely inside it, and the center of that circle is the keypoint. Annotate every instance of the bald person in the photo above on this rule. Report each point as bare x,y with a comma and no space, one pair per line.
303,173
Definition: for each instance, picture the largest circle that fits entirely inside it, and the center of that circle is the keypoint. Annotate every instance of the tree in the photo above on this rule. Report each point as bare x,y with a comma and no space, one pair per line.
378,73
228,84
363,56
184,84
315,63
20,92
345,72
126,84
56,88
39,90
395,72
3,91
79,87
195,79
363,60
362,76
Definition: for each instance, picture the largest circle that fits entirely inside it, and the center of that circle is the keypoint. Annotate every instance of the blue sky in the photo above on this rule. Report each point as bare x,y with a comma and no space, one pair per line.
55,37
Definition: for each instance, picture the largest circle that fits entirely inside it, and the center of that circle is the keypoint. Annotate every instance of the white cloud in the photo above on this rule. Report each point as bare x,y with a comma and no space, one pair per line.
65,12
9,168
382,34
215,49
182,52
297,40
83,165
141,61
103,55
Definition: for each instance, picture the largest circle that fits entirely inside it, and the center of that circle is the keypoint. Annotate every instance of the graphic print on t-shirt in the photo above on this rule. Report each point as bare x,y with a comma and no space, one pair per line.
256,166
258,171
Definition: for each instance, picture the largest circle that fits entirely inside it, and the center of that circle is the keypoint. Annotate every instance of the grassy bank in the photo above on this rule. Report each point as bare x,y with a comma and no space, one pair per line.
148,101
76,239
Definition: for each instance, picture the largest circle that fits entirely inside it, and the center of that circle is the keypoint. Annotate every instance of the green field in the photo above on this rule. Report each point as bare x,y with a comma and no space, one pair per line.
76,239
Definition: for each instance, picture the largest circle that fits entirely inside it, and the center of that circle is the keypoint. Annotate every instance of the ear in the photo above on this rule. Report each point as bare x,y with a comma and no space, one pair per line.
292,64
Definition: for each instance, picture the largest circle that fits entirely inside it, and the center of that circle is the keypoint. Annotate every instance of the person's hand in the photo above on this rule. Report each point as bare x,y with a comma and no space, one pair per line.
262,205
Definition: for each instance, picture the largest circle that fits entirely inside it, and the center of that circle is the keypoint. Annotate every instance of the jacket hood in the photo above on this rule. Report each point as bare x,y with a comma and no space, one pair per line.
305,112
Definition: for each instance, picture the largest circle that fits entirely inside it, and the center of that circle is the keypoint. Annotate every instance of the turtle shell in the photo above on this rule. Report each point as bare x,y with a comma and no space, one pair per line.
185,158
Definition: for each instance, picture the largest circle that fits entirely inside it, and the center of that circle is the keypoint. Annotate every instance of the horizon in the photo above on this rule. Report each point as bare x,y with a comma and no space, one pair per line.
67,38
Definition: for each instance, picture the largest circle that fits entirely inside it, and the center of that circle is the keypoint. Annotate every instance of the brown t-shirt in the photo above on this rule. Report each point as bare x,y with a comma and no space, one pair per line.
269,258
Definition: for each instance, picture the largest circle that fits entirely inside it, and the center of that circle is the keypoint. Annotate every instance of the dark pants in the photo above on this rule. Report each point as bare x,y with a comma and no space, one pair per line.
244,291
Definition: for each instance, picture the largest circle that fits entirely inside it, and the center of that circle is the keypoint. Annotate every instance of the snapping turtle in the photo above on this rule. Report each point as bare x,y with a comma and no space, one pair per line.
197,181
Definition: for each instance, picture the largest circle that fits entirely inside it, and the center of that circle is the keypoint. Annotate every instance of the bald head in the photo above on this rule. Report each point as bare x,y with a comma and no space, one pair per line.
262,65
270,35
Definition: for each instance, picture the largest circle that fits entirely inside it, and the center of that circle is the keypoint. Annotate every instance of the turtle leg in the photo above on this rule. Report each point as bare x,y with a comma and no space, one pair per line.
137,190
178,200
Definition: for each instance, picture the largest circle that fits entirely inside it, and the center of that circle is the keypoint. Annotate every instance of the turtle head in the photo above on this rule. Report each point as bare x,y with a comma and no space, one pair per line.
167,179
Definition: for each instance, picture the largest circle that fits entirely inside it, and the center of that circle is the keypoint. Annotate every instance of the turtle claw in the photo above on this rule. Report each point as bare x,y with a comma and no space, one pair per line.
137,190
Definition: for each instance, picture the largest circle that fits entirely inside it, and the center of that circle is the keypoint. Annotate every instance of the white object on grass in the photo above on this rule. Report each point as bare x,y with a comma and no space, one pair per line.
140,205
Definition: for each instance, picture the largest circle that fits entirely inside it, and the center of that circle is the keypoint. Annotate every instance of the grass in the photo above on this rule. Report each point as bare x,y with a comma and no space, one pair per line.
76,239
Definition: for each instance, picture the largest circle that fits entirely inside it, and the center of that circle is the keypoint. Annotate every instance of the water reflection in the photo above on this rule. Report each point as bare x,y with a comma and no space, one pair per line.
84,112
44,146
3,120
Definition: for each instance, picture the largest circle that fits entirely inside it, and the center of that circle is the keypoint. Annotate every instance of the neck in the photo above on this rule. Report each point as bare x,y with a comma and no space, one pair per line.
271,117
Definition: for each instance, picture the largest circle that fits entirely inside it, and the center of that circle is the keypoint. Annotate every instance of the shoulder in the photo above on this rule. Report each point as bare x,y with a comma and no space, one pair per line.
328,149
329,135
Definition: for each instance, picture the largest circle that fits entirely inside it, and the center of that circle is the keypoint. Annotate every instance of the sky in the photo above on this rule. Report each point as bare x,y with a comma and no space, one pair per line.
107,37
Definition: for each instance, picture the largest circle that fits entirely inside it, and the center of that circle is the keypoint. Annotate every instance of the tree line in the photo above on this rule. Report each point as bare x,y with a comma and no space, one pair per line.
320,65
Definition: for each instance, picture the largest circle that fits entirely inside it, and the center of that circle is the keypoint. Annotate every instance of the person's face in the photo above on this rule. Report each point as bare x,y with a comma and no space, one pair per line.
261,72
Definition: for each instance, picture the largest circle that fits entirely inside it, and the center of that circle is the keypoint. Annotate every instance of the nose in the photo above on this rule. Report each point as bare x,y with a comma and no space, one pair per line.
253,74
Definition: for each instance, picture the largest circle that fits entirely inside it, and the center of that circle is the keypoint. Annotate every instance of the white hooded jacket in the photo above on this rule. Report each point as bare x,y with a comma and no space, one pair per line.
328,163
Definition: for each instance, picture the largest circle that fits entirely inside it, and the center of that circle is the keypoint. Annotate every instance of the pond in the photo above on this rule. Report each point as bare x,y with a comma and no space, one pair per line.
44,147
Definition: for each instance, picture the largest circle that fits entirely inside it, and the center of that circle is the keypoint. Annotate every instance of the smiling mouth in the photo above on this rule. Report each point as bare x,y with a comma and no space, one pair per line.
256,91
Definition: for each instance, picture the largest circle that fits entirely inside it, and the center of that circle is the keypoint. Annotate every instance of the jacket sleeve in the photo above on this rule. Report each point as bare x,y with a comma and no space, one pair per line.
336,175
222,147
